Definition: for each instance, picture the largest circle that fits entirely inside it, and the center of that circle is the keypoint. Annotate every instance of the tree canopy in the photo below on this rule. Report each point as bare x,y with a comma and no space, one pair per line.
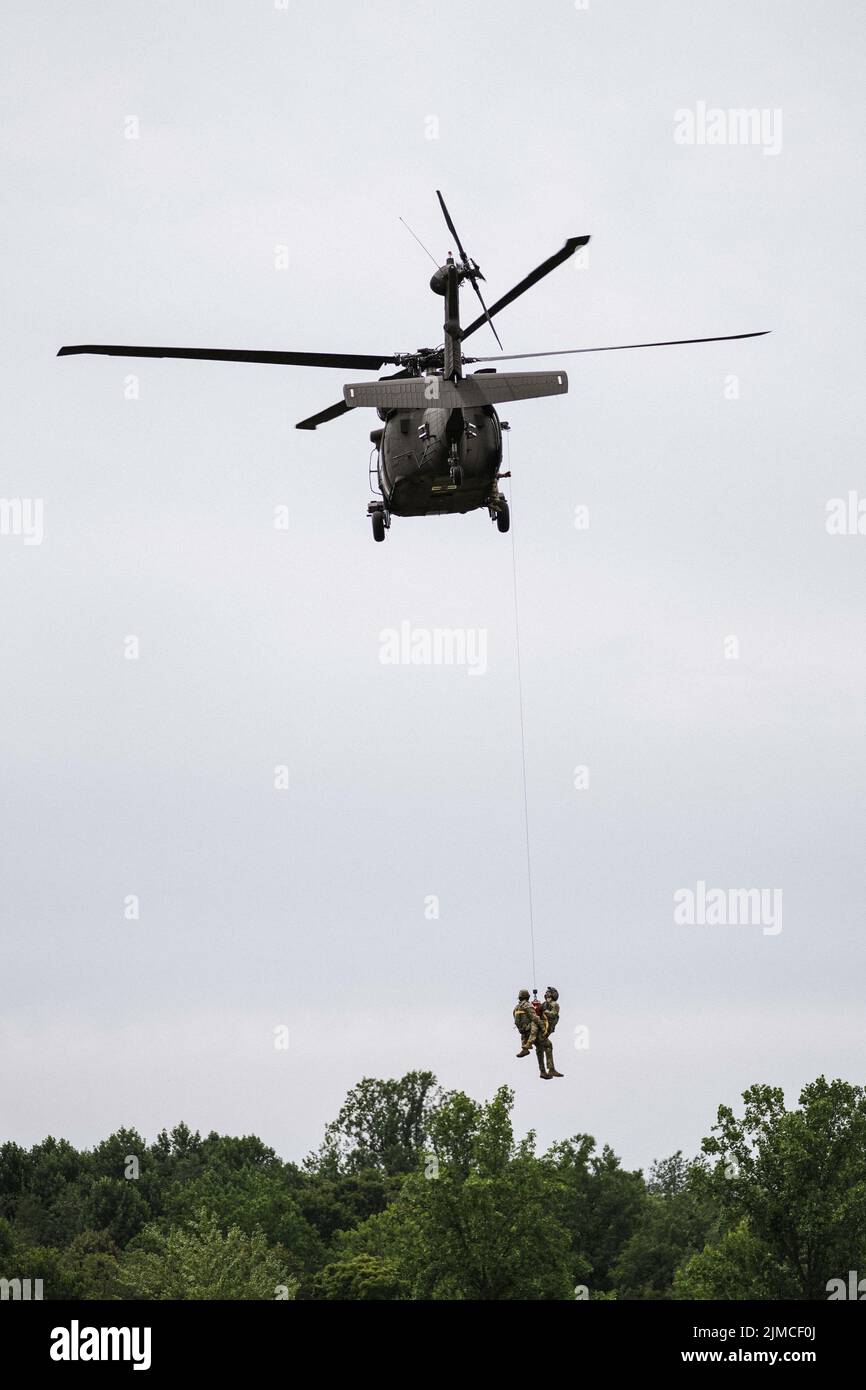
419,1193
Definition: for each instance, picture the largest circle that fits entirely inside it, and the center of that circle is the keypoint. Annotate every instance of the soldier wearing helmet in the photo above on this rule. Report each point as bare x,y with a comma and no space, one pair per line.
526,1022
543,1045
551,1007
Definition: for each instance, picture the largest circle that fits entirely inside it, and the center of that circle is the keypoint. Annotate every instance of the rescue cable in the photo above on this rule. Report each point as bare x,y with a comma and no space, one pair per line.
522,728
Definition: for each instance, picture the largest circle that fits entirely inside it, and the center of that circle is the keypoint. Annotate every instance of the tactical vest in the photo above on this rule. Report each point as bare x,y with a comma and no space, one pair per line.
523,1015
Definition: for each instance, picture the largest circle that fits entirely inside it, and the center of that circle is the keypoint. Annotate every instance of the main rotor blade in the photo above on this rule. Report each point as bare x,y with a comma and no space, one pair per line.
572,245
452,229
332,412
358,361
487,317
621,347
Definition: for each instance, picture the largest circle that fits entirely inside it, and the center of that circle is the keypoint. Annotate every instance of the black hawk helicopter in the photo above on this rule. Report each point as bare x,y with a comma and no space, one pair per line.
440,447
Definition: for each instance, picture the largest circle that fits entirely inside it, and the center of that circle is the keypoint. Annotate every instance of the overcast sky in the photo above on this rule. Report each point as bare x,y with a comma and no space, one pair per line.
706,472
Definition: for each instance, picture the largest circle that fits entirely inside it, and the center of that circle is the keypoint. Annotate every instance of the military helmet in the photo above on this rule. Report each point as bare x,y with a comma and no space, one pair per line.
554,993
523,994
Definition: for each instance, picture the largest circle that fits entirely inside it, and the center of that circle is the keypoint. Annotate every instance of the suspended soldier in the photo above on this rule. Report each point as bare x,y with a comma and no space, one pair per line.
543,1044
526,1022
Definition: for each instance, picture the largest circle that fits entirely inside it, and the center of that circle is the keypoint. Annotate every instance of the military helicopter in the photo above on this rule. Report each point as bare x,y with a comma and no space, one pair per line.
440,446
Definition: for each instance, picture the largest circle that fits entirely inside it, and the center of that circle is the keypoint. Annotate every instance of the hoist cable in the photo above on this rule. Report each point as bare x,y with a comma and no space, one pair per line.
522,728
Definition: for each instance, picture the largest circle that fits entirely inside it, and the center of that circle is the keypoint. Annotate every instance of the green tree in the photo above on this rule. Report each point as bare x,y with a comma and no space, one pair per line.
93,1259
178,1155
332,1204
792,1187
478,1221
198,1261
675,1222
381,1125
115,1205
226,1151
45,1200
739,1266
251,1198
599,1203
15,1169
111,1159
362,1277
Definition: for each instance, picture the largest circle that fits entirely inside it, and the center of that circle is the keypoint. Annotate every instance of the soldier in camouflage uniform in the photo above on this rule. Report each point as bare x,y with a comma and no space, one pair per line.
543,1044
526,1021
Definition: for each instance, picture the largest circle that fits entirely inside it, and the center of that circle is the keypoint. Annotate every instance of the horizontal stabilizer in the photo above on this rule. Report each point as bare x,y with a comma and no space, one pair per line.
421,393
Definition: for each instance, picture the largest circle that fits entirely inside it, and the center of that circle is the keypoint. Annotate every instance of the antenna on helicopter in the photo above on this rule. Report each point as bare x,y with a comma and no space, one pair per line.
420,242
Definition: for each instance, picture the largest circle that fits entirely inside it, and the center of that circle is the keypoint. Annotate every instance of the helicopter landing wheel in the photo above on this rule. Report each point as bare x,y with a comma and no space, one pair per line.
378,526
503,517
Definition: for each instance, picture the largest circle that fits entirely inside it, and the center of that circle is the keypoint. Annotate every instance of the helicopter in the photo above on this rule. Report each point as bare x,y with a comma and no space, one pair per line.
439,449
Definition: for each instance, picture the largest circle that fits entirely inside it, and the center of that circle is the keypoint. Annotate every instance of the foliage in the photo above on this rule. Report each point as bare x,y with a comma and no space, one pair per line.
476,1222
794,1181
739,1266
199,1261
381,1125
676,1220
361,1277
420,1194
599,1204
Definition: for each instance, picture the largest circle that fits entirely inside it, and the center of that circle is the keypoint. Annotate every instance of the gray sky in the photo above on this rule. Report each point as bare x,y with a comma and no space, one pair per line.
309,128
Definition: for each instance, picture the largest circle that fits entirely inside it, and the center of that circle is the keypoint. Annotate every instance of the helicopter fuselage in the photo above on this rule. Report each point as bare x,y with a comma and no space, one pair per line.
438,460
